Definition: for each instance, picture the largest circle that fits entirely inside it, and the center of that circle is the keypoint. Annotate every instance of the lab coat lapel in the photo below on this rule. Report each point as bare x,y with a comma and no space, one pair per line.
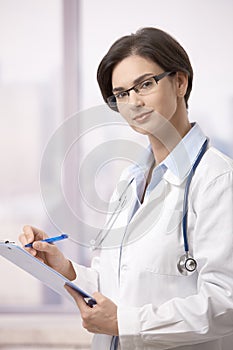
155,202
157,211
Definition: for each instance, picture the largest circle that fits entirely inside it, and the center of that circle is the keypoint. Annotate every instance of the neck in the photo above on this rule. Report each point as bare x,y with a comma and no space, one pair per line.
167,137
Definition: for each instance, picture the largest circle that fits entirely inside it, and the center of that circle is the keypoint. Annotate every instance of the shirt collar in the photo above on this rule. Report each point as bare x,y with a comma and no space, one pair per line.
180,161
177,164
140,170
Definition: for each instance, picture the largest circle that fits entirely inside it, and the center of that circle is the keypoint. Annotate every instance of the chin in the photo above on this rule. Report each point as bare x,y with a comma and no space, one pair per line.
140,130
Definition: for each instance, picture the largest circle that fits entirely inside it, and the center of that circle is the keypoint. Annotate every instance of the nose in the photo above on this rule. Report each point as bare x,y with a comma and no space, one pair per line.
135,100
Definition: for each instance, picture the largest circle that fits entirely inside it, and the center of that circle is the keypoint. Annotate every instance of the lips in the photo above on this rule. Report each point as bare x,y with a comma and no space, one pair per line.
140,118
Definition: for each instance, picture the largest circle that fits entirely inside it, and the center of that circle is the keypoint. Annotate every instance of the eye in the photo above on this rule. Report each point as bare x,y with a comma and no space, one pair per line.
121,95
146,85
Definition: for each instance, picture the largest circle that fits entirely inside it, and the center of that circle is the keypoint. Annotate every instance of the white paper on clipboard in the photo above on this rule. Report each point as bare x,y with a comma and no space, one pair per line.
41,271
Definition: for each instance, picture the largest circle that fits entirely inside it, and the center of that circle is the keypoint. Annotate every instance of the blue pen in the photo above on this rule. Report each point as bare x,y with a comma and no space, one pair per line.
49,240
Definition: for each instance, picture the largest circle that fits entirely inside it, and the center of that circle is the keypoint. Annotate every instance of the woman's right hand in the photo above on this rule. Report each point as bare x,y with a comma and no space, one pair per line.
46,252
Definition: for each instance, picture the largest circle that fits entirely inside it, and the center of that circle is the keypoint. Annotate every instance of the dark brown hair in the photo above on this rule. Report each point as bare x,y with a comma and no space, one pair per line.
151,43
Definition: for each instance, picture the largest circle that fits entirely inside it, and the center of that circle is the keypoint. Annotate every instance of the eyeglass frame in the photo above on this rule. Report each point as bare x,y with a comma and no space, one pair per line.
156,77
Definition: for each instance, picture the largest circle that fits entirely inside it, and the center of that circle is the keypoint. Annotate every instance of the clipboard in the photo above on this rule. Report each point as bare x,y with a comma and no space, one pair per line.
41,271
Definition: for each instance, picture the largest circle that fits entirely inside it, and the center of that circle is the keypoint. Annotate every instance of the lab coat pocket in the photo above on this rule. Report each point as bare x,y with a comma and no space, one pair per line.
159,288
168,245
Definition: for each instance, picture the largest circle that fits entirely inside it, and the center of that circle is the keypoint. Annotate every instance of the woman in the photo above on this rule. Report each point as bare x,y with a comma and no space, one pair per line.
147,298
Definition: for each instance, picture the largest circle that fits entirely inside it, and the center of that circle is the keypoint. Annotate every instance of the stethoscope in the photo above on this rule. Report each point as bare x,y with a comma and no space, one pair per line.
186,263
103,233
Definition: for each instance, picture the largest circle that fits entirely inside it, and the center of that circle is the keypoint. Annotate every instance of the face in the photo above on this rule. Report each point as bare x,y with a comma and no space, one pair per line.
146,113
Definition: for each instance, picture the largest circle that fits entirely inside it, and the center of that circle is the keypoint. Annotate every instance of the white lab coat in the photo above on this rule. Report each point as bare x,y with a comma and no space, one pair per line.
158,308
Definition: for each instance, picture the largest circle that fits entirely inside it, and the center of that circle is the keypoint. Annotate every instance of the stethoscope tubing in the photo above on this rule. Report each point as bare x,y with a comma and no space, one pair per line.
115,340
121,203
186,194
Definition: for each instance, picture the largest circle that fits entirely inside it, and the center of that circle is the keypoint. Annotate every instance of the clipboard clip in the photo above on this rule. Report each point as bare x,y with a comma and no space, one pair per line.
7,242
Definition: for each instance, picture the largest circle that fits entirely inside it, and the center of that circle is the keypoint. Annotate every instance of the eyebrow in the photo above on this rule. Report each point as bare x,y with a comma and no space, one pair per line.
135,82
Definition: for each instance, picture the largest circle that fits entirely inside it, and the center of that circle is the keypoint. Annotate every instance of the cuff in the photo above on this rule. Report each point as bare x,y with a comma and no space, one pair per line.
129,327
86,278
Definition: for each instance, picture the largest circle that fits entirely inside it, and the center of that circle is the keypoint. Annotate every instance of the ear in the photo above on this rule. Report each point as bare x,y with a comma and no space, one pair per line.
181,83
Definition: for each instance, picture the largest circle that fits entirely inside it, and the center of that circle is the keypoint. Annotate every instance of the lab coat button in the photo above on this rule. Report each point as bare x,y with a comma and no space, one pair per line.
124,267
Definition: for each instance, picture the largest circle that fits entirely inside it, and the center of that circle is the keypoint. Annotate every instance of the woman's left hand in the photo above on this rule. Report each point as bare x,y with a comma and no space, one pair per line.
101,318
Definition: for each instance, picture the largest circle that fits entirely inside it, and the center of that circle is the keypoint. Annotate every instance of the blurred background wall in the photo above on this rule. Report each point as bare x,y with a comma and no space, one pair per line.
49,54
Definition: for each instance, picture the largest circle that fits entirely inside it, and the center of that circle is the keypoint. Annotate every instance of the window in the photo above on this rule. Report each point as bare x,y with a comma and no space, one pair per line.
31,107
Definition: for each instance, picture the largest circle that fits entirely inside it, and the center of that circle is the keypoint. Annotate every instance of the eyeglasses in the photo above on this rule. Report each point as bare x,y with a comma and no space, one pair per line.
144,88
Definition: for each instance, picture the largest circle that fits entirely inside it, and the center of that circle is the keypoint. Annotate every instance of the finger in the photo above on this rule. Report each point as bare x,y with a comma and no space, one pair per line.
28,235
98,297
33,234
31,251
39,234
78,299
40,259
45,247
23,239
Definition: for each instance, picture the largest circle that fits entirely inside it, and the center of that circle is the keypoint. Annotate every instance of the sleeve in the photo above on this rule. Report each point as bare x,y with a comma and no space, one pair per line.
207,315
87,278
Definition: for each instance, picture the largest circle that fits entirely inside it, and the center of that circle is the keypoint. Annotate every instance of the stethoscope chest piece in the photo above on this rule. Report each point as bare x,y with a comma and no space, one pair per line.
186,264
